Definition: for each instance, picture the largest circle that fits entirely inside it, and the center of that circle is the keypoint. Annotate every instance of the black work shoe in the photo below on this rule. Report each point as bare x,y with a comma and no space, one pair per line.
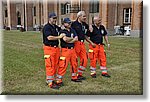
80,77
76,80
93,76
53,85
60,84
106,75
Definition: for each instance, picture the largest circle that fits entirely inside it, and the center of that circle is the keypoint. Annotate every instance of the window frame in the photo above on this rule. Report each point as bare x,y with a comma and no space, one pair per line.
129,13
94,6
68,8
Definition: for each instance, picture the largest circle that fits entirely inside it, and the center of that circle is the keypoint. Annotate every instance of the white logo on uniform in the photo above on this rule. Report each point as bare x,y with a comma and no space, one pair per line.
71,35
102,31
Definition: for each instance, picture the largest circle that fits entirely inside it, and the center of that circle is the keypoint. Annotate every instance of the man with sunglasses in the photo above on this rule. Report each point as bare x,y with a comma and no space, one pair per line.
68,53
51,49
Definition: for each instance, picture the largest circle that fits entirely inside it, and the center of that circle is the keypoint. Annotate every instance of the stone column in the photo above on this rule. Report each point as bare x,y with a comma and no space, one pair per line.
12,17
56,10
136,21
85,7
104,12
74,3
22,13
51,6
29,15
38,13
112,16
45,11
42,14
1,16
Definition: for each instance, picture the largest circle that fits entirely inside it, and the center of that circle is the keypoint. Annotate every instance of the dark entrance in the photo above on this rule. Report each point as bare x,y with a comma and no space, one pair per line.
18,18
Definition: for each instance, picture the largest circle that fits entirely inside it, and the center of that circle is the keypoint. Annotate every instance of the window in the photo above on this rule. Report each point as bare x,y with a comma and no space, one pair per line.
19,18
6,15
127,15
67,8
75,8
62,9
94,6
34,11
35,21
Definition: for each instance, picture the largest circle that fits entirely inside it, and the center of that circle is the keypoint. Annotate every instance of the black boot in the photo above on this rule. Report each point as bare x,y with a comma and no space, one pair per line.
76,80
106,75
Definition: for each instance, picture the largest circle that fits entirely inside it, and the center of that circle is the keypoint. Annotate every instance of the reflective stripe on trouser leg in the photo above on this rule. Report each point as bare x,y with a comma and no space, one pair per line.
59,78
104,69
93,70
80,70
49,79
74,76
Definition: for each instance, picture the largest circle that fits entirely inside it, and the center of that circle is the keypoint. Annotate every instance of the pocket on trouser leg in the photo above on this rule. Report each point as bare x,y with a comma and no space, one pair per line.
91,54
62,62
48,62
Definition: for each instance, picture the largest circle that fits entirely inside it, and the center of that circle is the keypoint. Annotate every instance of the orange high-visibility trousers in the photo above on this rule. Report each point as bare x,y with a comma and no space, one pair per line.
97,54
51,56
67,55
82,54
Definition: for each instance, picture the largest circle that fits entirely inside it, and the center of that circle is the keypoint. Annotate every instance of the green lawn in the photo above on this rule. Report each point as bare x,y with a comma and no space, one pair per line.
24,70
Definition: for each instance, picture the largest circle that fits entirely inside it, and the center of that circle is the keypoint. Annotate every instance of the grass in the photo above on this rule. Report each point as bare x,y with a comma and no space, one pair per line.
24,70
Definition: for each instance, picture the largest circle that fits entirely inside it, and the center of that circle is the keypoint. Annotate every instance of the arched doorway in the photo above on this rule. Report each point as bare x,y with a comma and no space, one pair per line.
18,18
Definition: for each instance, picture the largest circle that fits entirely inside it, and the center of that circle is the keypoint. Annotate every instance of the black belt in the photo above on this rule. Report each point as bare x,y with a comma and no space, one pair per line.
68,47
51,45
99,43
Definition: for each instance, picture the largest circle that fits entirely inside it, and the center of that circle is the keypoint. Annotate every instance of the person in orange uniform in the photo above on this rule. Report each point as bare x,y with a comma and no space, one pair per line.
96,47
68,53
81,29
51,49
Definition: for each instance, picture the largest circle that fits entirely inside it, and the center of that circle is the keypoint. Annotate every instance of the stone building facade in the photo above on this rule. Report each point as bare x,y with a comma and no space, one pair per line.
33,13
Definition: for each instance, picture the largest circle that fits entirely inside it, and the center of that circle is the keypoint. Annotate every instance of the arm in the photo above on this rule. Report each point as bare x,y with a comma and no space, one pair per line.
70,40
55,37
89,41
67,39
48,33
74,40
106,40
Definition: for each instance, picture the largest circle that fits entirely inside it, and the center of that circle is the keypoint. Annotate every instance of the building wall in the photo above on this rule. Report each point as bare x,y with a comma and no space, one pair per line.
12,18
110,12
112,17
29,16
137,21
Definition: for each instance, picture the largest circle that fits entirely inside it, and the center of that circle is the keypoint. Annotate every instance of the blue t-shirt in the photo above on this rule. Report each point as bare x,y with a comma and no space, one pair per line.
70,33
50,30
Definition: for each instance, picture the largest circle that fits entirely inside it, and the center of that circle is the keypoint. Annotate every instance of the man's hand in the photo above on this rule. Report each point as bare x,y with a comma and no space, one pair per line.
93,45
76,38
91,28
108,45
